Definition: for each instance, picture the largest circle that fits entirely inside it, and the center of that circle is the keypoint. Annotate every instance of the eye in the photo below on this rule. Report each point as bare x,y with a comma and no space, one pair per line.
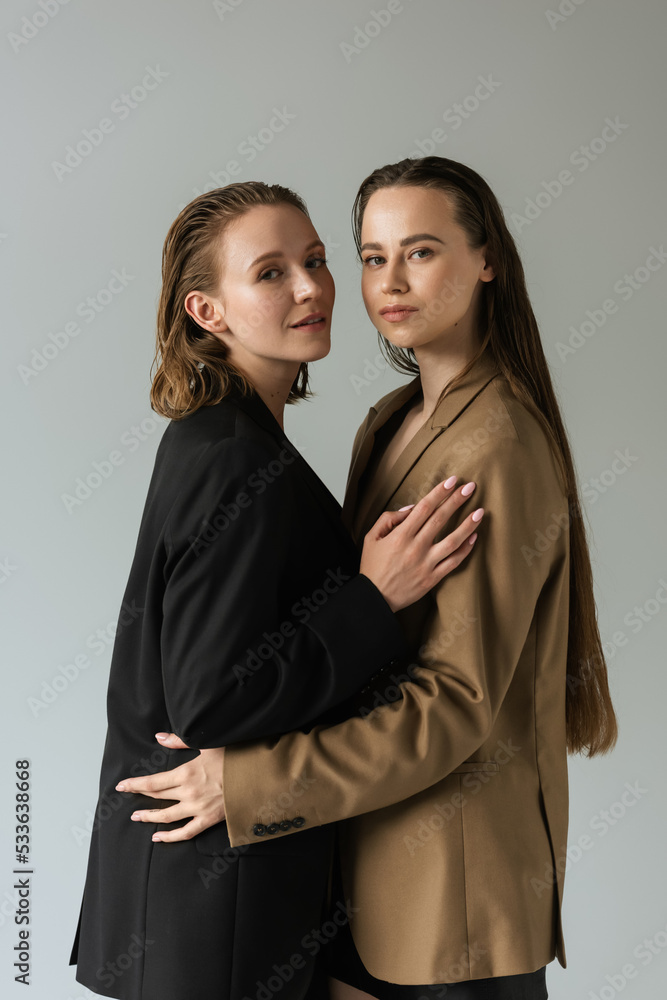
317,261
373,257
269,271
424,250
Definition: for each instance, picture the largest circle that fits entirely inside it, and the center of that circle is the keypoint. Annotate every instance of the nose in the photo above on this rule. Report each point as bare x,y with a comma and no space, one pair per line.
393,278
307,285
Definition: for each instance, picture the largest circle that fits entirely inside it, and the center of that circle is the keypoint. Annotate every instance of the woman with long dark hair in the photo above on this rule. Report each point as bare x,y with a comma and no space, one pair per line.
452,779
255,612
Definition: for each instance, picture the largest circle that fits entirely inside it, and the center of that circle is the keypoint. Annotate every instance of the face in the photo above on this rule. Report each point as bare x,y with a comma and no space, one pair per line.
276,294
421,282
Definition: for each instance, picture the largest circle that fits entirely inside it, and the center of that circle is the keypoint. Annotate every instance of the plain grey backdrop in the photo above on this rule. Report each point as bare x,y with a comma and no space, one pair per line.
116,114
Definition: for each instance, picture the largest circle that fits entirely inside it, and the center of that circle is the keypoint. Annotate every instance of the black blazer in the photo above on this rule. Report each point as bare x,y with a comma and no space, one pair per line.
244,617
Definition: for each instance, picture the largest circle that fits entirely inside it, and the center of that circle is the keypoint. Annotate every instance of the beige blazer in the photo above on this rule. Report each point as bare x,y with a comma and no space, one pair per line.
455,796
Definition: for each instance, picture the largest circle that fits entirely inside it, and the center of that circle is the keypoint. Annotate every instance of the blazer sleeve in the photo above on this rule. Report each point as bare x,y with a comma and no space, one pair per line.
474,637
235,666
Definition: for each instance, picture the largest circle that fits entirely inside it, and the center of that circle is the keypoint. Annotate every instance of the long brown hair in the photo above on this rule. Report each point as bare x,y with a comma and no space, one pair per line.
511,337
191,367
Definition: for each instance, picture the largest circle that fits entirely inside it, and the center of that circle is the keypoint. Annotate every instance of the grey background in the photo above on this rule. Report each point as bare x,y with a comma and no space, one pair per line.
557,77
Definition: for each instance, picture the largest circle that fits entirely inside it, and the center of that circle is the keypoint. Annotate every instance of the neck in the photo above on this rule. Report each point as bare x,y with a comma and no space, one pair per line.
272,381
437,368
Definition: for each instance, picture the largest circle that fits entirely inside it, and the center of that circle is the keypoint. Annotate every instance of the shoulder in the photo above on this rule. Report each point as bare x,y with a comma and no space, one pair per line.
497,421
235,427
501,444
216,450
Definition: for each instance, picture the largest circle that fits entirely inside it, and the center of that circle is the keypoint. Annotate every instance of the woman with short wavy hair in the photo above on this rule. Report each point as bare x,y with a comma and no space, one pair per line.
257,614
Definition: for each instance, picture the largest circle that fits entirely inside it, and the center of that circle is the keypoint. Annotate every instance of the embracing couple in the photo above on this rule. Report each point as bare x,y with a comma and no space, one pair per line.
363,715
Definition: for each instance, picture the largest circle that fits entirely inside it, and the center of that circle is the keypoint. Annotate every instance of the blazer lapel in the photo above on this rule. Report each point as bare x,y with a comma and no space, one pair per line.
361,455
443,416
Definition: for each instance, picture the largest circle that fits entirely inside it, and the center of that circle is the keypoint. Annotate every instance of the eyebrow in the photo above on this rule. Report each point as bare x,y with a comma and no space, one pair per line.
273,254
417,238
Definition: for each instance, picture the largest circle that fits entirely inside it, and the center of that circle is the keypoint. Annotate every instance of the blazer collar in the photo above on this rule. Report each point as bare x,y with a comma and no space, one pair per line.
450,407
257,409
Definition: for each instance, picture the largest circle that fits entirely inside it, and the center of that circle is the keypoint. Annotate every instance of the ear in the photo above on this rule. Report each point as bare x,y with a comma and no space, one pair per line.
487,273
208,313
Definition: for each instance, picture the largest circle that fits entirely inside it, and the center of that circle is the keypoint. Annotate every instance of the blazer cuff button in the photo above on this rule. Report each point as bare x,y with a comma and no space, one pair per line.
285,824
259,829
272,828
298,821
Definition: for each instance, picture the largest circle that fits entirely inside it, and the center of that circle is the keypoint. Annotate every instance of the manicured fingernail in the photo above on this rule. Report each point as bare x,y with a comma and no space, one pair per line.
472,539
161,736
479,514
409,507
467,489
134,816
120,787
450,482
156,838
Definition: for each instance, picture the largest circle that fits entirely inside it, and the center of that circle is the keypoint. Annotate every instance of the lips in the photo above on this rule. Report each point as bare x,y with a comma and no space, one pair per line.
313,319
395,313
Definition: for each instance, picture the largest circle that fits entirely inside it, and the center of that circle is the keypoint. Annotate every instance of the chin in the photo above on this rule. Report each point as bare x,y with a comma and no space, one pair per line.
406,340
316,351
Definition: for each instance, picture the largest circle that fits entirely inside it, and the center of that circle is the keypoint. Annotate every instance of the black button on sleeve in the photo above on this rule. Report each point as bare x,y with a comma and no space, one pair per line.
286,824
259,829
298,821
272,828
